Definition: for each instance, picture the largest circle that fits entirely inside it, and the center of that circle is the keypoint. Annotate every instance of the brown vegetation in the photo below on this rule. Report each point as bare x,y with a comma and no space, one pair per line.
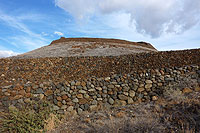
164,116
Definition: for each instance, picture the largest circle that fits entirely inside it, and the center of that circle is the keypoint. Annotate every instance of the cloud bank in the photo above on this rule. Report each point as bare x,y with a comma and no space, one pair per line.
7,53
152,17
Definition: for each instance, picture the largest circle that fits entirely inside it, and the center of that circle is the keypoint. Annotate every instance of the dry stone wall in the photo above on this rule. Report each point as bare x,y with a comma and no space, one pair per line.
83,84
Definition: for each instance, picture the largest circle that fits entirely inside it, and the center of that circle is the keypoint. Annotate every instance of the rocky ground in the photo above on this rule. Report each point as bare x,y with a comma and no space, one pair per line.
67,47
101,89
176,112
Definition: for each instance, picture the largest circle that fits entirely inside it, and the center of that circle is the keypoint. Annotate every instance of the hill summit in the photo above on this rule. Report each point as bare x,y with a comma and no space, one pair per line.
67,47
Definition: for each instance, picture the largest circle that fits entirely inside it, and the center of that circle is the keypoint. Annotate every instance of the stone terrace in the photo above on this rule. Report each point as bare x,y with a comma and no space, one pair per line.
84,83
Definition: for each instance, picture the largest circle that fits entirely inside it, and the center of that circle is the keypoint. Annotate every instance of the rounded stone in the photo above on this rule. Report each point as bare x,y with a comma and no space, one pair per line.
104,95
83,101
111,101
111,86
82,91
148,82
94,102
79,110
83,83
79,96
140,89
7,94
59,98
99,99
132,93
123,97
55,107
86,96
105,91
39,91
75,100
64,97
27,100
79,87
72,83
86,106
130,100
107,78
99,88
118,86
120,103
92,86
48,92
147,86
63,93
64,107
55,101
64,102
125,93
70,108
78,83
93,107
91,90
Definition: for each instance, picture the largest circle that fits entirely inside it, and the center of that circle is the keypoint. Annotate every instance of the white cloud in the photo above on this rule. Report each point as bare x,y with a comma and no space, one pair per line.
58,33
152,17
7,53
28,39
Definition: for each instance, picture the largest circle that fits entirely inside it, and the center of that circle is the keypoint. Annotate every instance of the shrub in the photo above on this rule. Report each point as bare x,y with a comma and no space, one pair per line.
32,118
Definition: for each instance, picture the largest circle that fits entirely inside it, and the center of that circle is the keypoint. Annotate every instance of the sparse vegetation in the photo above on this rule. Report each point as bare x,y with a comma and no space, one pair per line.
164,116
37,117
170,114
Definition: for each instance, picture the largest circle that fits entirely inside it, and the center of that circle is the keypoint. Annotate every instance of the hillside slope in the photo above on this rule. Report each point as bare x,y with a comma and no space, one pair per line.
67,47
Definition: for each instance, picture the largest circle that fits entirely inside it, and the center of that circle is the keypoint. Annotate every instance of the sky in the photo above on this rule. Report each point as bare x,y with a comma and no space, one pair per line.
26,25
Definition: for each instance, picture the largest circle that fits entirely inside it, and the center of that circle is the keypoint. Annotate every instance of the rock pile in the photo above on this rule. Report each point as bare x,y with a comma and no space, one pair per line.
13,71
115,90
84,83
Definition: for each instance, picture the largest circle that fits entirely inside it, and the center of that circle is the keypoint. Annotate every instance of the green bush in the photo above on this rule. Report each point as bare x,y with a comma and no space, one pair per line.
31,118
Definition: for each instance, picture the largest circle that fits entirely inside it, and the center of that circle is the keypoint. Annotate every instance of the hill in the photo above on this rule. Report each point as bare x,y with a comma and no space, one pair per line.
100,85
67,47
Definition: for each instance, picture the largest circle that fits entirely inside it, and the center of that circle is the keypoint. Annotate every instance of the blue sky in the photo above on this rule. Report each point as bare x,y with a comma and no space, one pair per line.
29,24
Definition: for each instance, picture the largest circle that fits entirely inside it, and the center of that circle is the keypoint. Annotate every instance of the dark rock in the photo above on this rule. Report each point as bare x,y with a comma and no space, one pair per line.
111,101
198,72
169,79
55,101
6,103
86,106
39,91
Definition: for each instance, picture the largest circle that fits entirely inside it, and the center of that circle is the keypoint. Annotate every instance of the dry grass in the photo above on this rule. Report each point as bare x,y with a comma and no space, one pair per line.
173,114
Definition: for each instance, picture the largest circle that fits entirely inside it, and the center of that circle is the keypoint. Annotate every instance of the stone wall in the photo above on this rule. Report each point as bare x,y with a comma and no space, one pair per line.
86,83
21,71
